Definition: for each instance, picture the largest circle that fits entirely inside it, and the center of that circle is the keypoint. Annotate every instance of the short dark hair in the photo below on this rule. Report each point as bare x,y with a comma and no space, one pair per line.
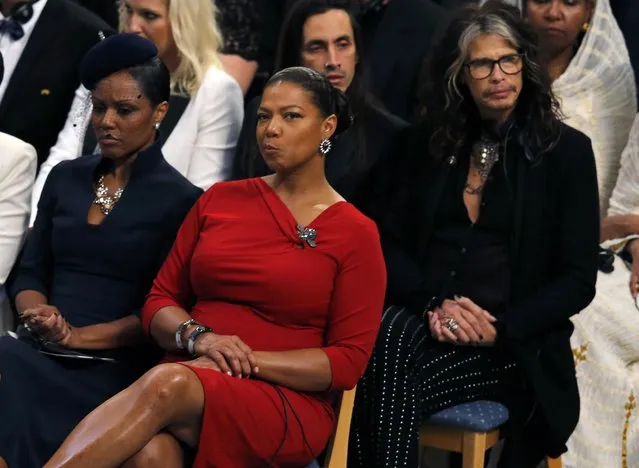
449,115
328,99
154,79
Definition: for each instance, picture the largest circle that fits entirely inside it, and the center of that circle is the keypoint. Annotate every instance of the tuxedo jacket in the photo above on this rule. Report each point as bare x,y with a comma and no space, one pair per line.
42,87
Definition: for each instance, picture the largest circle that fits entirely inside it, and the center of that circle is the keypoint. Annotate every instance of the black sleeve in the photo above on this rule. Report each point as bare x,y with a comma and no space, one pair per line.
577,229
105,9
241,22
36,265
399,228
435,22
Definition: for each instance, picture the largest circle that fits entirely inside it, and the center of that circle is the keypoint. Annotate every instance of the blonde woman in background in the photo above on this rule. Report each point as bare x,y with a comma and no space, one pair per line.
199,143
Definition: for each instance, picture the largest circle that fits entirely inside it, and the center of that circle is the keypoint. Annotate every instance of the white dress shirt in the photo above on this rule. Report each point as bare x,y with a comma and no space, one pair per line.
12,50
201,146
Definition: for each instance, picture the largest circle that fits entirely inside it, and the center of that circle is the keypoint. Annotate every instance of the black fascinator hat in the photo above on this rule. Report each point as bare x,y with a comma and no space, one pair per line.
113,54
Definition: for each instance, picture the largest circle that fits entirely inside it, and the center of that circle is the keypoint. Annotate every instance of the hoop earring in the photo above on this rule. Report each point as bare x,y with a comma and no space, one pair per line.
325,146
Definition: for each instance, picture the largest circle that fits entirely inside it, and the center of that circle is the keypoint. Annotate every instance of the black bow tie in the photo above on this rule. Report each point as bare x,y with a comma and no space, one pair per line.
11,27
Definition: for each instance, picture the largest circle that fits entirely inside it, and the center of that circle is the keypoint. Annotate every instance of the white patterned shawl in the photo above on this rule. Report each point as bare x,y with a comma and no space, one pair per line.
606,349
597,94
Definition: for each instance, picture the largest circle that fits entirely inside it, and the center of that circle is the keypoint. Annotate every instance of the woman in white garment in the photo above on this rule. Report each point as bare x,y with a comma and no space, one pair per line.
17,172
199,143
592,76
594,82
606,337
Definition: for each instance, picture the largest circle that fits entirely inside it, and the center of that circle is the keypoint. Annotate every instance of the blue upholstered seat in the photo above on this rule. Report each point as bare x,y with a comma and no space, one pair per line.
314,465
477,416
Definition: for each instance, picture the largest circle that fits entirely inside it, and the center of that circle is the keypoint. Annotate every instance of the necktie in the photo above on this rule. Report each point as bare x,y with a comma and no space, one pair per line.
12,28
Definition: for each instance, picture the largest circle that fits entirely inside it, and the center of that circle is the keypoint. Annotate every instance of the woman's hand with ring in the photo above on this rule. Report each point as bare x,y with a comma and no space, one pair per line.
483,320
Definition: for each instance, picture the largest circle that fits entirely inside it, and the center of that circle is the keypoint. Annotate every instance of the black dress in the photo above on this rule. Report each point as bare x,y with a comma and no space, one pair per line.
92,274
251,29
410,373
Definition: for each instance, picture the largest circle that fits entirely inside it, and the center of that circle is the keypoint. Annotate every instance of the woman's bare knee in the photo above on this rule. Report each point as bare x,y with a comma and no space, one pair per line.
3,464
163,451
171,387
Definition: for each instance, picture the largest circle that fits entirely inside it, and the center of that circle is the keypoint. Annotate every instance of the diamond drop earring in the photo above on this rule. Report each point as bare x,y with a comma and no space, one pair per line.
325,146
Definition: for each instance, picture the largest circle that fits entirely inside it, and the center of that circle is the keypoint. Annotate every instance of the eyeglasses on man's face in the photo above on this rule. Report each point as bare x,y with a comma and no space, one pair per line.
481,69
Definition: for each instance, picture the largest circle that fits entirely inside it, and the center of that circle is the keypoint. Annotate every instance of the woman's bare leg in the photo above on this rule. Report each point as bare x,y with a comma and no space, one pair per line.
3,464
168,398
163,451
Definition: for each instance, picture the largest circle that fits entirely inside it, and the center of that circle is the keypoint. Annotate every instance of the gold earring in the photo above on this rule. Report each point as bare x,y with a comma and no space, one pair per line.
585,27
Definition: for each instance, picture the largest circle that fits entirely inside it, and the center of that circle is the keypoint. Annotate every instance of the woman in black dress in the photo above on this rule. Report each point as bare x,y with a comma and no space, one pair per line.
104,226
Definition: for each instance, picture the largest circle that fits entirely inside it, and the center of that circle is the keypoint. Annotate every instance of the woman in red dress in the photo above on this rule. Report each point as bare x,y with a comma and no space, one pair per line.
275,287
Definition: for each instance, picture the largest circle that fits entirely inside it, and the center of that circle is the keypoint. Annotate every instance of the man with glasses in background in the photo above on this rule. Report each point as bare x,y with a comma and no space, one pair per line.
490,249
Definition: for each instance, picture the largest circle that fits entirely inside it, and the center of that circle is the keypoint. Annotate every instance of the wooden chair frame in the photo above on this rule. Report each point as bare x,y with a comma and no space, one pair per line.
337,450
472,445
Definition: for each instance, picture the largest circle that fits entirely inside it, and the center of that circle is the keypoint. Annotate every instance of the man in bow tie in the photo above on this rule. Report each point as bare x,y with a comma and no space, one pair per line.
42,42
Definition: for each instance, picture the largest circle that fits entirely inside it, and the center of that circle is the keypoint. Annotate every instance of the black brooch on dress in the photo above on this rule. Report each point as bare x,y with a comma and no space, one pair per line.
308,235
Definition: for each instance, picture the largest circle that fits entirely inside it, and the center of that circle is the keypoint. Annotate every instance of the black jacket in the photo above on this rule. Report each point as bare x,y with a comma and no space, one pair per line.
360,182
454,4
554,264
38,98
105,9
627,15
401,41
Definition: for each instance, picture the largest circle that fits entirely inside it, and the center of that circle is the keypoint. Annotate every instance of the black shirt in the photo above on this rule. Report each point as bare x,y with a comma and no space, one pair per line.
473,260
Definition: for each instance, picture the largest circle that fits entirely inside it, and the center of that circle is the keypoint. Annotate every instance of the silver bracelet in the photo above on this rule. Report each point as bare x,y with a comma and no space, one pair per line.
201,329
180,330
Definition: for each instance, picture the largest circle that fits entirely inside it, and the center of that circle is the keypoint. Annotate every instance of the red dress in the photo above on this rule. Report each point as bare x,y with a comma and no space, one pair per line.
240,268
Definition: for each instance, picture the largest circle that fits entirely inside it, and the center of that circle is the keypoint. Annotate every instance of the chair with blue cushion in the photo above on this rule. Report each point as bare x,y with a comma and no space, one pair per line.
469,429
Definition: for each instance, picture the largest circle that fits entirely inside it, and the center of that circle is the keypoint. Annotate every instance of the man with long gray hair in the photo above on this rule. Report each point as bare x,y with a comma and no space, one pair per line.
491,245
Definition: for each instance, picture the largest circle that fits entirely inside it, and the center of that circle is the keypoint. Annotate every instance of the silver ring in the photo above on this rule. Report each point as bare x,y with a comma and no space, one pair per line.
451,324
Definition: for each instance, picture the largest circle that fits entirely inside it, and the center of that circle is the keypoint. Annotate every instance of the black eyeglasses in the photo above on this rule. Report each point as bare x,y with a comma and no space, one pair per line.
481,69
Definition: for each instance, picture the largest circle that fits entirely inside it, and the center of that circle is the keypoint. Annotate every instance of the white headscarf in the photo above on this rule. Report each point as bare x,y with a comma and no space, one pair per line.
597,94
